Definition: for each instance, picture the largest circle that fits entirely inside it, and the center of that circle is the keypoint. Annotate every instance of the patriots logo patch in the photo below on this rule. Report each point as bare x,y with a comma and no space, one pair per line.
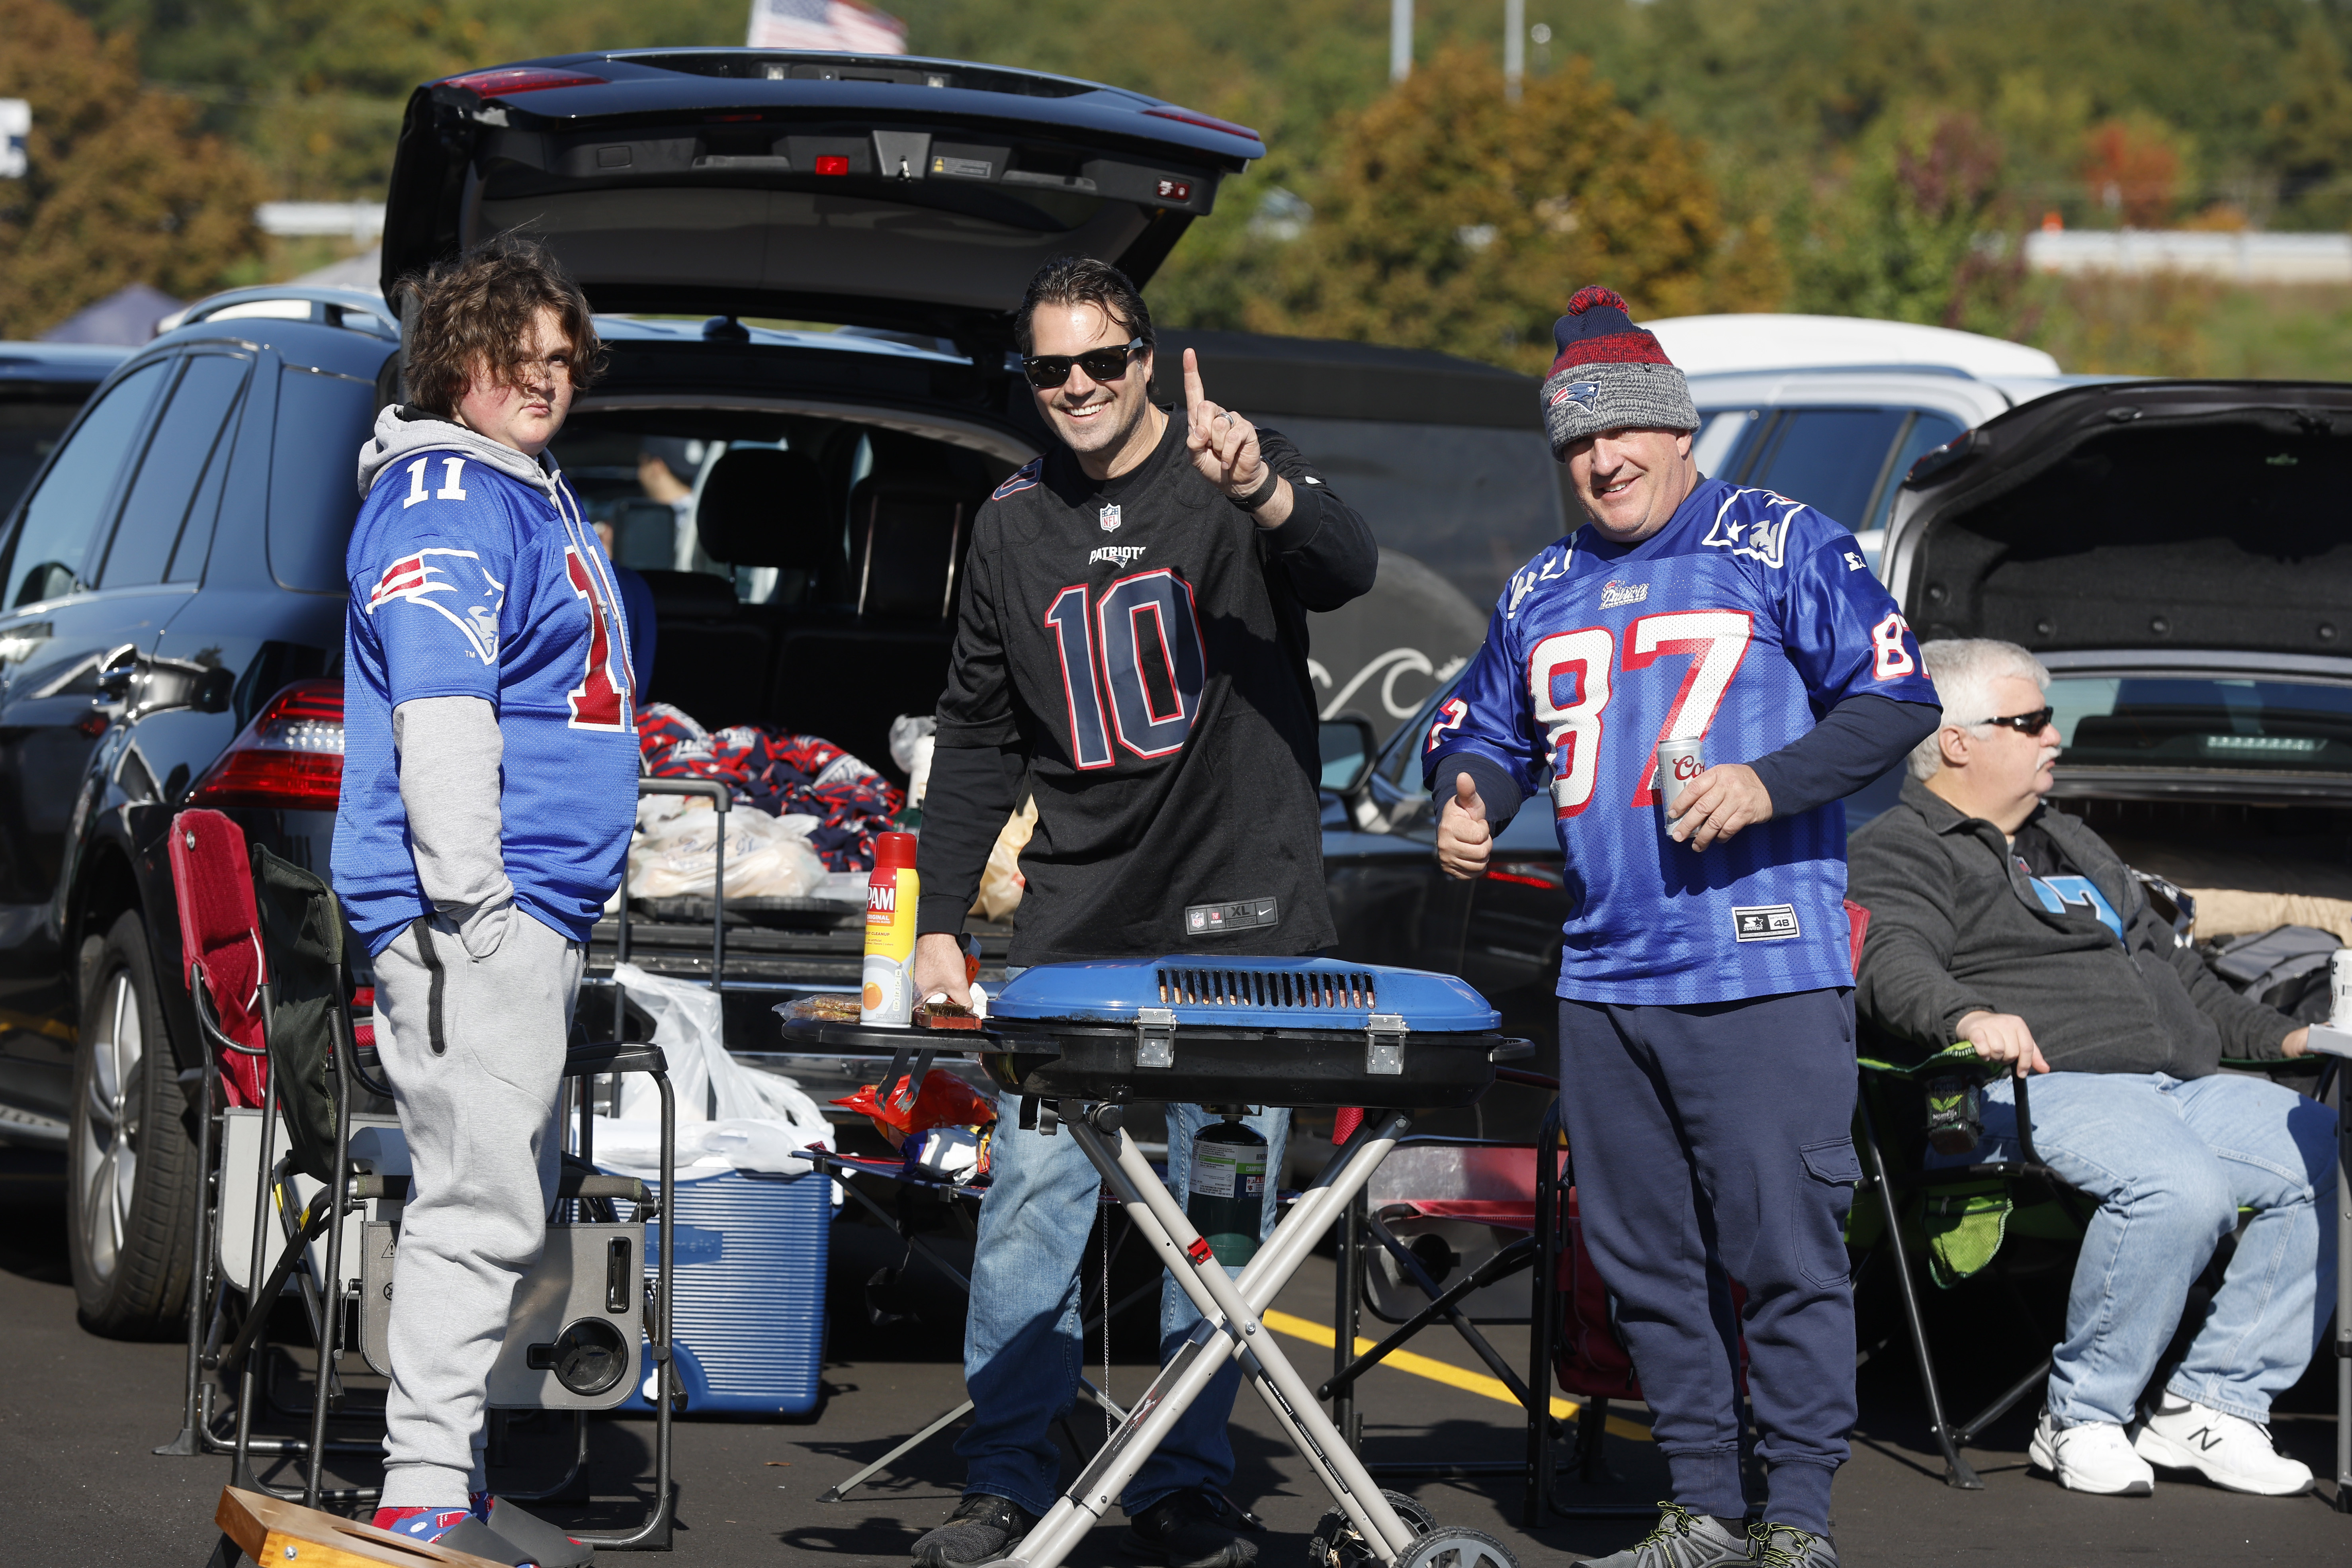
425,576
1020,478
1585,394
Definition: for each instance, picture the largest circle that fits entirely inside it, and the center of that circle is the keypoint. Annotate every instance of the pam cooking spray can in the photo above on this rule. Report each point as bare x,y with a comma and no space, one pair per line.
1679,762
889,993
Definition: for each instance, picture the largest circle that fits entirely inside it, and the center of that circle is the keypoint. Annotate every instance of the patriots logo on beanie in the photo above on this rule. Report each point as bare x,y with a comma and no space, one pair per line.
1605,360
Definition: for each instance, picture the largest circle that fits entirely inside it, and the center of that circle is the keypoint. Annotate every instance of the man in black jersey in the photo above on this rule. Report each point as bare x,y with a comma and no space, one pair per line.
1133,642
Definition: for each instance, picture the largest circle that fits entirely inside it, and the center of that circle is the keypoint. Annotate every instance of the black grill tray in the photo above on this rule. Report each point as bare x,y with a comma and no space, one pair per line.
1232,1065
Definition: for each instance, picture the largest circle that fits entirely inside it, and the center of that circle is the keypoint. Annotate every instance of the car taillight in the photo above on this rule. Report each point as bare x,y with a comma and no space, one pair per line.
1205,121
290,756
511,80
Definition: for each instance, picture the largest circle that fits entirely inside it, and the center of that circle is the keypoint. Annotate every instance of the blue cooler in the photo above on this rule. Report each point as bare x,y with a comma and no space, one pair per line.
749,1314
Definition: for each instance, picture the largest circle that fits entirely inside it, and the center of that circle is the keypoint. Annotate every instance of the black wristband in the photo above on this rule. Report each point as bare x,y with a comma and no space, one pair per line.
1262,494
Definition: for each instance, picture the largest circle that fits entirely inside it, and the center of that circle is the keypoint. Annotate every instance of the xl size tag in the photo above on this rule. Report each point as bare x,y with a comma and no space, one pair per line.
1245,915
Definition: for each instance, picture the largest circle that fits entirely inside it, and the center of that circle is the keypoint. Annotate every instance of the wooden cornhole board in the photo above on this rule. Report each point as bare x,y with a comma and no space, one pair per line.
279,1534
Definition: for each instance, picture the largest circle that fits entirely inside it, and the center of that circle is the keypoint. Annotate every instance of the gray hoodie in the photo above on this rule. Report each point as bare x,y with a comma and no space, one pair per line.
450,747
402,432
1955,927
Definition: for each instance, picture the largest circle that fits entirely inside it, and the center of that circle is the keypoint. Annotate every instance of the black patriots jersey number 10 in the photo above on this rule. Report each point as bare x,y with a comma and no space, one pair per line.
1137,646
1133,657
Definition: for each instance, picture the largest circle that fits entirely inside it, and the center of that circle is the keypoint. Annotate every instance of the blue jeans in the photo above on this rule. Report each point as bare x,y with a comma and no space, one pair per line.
2171,1162
1022,1351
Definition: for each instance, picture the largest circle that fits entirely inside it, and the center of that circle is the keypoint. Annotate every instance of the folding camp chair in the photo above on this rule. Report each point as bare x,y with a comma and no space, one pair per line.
273,995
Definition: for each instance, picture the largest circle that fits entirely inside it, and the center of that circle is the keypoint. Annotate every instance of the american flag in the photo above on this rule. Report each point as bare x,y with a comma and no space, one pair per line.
849,25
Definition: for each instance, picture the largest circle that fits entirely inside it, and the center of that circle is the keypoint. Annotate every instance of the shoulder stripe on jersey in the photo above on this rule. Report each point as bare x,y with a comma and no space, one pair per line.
1022,477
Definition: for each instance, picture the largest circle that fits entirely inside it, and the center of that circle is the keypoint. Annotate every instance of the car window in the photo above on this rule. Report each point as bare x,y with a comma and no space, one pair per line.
1715,448
2241,725
31,425
322,420
1830,459
184,443
1470,503
1927,432
45,558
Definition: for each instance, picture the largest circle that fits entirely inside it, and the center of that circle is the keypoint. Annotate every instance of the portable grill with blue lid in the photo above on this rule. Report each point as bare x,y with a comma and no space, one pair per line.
1271,1031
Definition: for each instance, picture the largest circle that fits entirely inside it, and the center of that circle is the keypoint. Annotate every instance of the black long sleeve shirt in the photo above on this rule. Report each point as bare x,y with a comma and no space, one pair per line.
1137,647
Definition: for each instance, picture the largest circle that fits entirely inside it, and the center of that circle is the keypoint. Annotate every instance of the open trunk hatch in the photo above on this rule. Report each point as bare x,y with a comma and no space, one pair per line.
2139,516
891,191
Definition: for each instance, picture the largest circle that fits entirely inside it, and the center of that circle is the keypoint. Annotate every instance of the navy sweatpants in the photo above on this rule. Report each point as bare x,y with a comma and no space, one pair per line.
1719,1138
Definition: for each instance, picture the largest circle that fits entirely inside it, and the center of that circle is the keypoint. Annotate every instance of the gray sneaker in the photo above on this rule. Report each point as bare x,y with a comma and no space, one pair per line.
1786,1546
1683,1540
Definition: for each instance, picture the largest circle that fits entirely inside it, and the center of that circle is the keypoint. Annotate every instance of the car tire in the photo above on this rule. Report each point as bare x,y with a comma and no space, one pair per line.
131,1166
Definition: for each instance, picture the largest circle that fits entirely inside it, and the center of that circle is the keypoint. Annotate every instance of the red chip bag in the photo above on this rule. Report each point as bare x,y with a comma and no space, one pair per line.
946,1101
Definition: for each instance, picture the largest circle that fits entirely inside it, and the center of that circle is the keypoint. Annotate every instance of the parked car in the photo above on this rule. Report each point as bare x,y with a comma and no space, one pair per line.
42,386
174,579
2171,550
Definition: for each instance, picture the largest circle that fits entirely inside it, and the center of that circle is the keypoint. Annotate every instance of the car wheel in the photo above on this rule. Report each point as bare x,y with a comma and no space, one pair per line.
131,1167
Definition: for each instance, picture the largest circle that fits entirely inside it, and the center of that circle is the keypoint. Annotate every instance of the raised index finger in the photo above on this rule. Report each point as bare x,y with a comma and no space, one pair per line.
1193,392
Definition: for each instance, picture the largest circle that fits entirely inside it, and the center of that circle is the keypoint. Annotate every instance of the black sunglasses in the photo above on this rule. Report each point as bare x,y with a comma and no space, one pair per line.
2032,723
1046,371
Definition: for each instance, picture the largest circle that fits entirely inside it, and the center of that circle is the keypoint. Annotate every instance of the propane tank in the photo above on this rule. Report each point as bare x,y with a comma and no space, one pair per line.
1226,1203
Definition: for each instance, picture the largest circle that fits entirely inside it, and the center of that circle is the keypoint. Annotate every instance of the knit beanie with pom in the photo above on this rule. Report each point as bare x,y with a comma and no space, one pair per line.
1610,376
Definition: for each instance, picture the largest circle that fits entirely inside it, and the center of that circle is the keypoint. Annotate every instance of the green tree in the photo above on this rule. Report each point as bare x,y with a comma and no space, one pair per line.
1919,232
118,190
1449,219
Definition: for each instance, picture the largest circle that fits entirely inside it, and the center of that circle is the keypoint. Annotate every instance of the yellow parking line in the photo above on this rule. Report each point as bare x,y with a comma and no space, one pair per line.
1440,1372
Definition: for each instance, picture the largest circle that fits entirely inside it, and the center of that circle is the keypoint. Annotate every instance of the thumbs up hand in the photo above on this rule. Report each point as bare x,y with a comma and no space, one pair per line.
1464,840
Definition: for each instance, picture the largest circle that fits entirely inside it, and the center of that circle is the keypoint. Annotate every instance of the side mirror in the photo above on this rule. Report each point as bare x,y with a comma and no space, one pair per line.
1347,746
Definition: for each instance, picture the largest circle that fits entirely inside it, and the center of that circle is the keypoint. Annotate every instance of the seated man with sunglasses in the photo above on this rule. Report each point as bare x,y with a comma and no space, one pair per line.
1997,920
1132,644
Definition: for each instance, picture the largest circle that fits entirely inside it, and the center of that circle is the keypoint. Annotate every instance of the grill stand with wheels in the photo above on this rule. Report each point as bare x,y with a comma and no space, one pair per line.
1369,1529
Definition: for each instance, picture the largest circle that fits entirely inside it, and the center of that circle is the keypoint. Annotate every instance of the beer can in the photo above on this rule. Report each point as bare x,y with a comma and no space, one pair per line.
2339,989
1679,762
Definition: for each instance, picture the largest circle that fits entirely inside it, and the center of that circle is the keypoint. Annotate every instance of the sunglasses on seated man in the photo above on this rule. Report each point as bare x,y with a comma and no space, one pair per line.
2032,723
1046,371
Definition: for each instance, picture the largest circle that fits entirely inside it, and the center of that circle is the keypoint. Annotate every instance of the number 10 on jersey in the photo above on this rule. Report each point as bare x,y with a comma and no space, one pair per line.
1141,642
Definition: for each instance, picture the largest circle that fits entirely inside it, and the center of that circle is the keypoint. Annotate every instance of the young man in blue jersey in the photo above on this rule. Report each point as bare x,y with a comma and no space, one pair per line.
1707,1016
490,786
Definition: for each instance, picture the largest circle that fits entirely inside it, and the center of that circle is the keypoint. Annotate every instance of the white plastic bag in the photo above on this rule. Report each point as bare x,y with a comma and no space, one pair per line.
729,1117
766,858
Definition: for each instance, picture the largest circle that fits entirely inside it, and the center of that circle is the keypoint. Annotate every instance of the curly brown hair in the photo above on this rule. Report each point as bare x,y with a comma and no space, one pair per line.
475,312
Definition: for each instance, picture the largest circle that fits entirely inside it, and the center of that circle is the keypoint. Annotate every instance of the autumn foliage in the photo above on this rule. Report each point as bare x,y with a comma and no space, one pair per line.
1451,218
118,190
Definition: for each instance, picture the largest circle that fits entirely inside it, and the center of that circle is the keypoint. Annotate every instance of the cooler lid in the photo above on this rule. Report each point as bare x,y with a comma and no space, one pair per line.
1262,993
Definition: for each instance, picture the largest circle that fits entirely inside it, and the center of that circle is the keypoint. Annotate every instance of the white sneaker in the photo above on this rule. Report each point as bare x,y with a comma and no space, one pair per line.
2228,1450
2095,1456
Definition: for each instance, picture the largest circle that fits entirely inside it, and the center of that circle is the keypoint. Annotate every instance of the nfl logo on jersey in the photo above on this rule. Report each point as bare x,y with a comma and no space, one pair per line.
1111,520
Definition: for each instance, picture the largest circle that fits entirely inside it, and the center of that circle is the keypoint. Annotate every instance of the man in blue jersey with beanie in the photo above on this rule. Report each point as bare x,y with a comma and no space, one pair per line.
1707,1014
489,787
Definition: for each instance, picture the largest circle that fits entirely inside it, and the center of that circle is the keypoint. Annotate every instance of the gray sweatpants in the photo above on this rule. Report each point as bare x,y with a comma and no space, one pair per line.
474,1049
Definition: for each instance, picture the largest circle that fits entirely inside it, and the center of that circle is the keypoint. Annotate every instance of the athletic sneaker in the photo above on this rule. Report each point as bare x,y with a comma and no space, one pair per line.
458,1529
1681,1540
982,1530
425,1525
2095,1457
2228,1450
1786,1546
1190,1530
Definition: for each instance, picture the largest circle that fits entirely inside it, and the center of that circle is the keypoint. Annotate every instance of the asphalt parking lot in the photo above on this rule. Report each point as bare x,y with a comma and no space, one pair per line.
78,1417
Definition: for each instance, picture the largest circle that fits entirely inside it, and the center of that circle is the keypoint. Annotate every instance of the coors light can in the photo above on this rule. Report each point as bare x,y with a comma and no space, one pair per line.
2339,990
1679,762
